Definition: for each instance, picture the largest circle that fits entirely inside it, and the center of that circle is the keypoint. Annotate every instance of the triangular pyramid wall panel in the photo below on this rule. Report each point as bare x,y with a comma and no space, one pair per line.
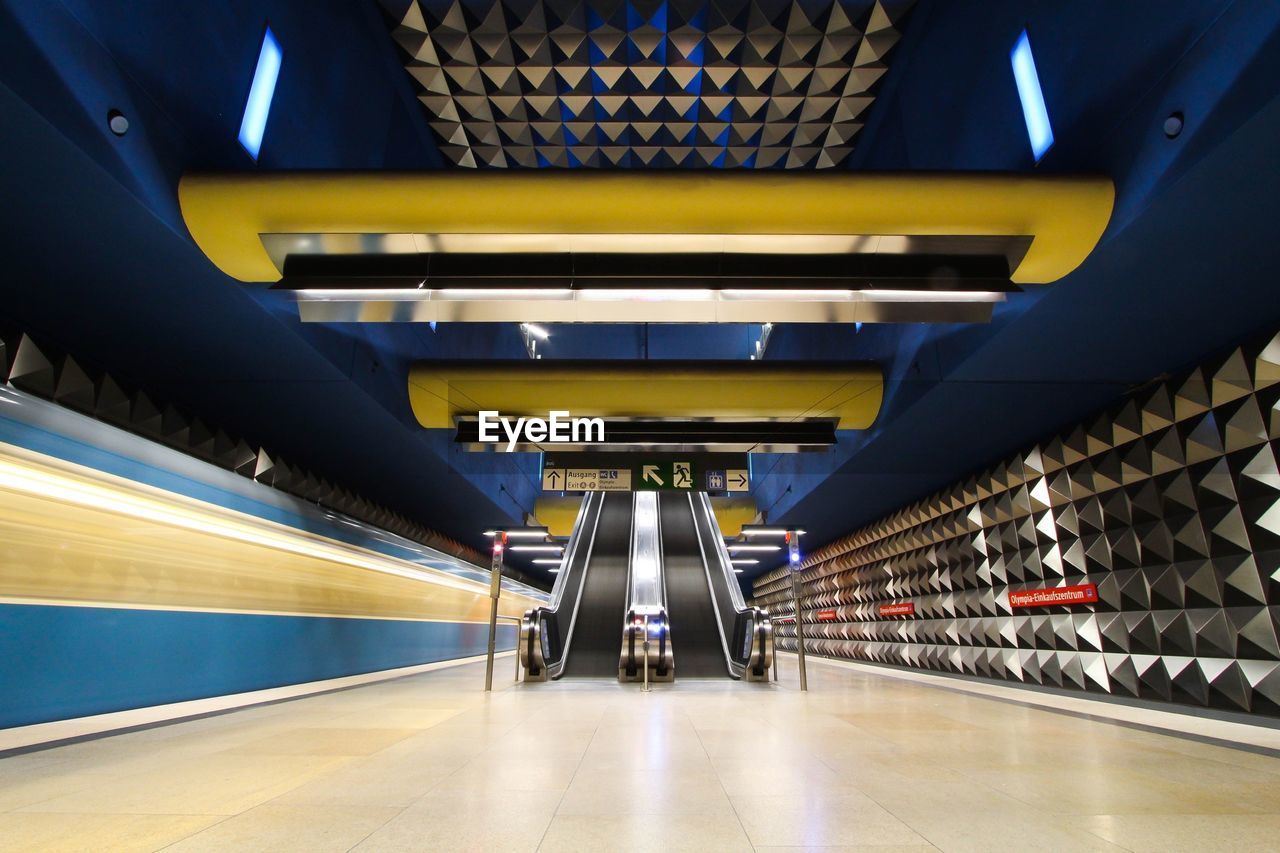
1168,502
753,84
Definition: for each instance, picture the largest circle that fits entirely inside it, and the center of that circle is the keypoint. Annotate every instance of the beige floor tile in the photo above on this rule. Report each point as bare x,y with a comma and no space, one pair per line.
123,833
1172,833
500,775
275,827
856,848
829,818
643,792
1014,831
224,785
695,833
462,821
380,781
35,784
326,741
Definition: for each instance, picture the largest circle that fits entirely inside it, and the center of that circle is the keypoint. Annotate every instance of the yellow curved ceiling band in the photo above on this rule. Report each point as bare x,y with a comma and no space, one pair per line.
1065,215
851,394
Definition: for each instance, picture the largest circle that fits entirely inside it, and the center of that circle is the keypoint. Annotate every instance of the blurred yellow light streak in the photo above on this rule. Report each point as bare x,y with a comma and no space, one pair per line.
73,534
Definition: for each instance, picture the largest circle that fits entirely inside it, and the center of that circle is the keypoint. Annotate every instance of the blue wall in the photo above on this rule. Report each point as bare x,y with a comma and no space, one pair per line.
65,662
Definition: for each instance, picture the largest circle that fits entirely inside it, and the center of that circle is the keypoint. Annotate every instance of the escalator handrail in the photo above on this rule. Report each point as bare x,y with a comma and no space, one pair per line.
735,668
555,668
557,589
722,556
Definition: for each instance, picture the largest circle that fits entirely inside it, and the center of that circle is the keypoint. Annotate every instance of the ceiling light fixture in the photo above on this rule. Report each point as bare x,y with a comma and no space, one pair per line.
632,295
786,295
735,547
1034,111
889,295
537,549
537,331
258,107
748,530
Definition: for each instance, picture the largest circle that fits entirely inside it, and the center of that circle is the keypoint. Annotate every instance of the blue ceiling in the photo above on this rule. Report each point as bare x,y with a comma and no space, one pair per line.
97,259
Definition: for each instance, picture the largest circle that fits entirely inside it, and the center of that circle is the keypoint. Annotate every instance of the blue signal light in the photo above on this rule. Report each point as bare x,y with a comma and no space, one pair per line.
254,123
1036,114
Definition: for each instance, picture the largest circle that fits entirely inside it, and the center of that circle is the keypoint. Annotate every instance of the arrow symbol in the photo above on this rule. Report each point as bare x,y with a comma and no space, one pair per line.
739,480
649,474
553,477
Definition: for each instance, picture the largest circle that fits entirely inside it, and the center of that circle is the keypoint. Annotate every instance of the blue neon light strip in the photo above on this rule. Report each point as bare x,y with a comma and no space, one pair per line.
254,123
1034,111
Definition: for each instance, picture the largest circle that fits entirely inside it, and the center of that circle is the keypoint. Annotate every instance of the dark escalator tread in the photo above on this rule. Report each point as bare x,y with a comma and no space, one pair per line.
695,635
597,633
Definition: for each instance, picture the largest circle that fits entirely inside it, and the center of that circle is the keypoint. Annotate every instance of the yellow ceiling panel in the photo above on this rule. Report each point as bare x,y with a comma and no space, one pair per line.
228,213
850,394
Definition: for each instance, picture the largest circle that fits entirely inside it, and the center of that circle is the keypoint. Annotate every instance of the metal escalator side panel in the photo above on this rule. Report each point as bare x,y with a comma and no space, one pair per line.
709,554
645,589
575,564
718,551
747,629
589,509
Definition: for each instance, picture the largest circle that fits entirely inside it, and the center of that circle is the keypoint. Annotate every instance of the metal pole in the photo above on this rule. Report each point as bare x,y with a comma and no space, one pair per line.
495,590
645,689
793,549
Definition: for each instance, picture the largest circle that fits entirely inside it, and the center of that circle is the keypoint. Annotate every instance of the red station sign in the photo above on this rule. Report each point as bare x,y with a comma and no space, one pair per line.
1086,593
900,608
828,615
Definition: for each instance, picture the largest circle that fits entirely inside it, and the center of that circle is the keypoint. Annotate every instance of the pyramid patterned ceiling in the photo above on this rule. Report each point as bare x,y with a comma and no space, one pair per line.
764,84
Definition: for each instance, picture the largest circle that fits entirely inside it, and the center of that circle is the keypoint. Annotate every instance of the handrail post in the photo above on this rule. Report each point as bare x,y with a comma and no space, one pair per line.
645,688
793,553
495,590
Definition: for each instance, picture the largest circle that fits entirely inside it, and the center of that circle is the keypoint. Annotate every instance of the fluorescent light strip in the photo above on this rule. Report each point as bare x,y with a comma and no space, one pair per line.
520,533
656,295
882,295
745,562
468,294
254,123
754,547
1034,111
535,330
785,295
546,561
769,531
537,549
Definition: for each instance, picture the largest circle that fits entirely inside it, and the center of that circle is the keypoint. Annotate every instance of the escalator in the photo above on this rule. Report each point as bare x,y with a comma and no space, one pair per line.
695,631
713,631
596,635
579,632
646,590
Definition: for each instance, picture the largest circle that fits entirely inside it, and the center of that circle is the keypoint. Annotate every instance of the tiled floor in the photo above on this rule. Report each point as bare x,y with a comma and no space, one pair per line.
862,761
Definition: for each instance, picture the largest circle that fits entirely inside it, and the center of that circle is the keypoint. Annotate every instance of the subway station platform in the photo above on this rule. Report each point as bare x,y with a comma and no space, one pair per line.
427,762
615,425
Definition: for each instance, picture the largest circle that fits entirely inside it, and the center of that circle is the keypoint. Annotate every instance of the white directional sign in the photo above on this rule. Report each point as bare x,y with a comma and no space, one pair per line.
682,475
652,474
737,480
586,479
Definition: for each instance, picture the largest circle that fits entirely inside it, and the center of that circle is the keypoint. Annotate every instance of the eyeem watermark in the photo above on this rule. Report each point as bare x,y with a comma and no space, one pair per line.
558,428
